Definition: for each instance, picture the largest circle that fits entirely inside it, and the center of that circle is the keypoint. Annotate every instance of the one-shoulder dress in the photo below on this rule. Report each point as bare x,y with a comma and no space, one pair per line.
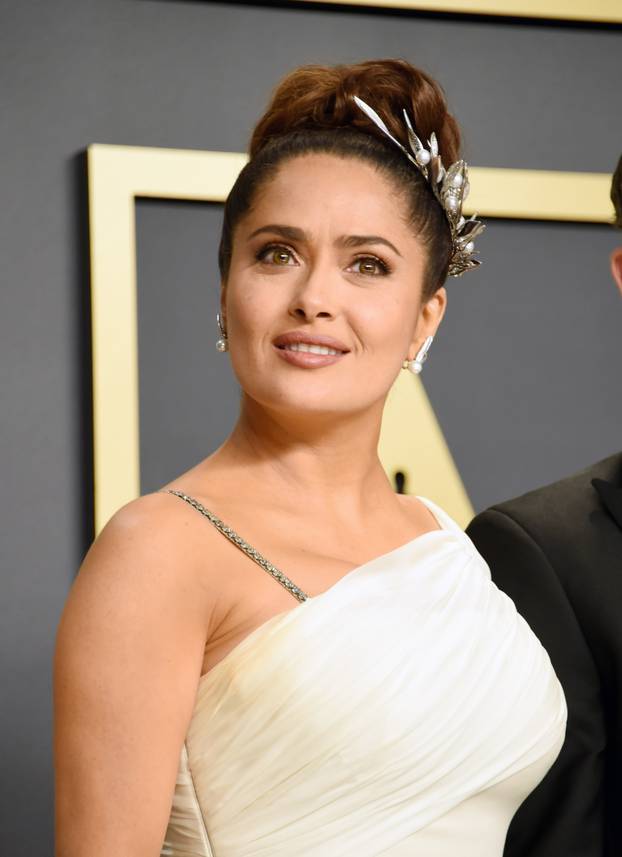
405,712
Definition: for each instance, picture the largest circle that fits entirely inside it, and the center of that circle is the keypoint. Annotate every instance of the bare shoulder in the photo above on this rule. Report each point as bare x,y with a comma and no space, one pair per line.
156,517
419,512
155,533
139,595
140,576
128,655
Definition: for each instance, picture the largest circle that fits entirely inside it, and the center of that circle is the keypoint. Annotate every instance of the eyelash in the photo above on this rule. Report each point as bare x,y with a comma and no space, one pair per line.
385,269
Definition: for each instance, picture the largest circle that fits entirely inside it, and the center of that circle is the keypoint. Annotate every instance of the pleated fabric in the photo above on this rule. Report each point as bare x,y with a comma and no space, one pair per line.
408,710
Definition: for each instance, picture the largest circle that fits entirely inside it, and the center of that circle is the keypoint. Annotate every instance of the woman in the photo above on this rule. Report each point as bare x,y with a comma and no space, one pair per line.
401,706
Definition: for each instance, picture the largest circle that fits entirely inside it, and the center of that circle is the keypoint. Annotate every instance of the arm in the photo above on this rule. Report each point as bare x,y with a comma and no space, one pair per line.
128,655
564,815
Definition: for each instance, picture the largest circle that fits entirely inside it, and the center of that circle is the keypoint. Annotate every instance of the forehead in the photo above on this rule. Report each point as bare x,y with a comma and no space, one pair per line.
348,193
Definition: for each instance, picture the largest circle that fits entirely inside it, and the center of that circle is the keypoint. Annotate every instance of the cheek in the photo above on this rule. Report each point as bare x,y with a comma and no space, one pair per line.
385,325
250,306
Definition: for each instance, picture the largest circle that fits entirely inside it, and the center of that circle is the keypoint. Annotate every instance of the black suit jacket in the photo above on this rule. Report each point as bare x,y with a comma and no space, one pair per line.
557,552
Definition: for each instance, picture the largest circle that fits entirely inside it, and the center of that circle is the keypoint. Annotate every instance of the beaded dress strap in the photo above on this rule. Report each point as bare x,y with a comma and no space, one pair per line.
244,546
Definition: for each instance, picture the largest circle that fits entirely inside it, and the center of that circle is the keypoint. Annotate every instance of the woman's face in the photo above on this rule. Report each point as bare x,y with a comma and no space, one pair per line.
325,259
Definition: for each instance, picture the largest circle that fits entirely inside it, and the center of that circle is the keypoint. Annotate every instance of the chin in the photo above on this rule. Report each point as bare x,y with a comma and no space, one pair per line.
307,402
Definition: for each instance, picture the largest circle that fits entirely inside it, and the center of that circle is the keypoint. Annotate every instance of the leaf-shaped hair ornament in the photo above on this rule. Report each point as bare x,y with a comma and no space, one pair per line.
450,187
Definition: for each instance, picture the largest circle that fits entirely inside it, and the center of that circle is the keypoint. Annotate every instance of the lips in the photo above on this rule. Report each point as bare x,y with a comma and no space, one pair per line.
297,337
309,351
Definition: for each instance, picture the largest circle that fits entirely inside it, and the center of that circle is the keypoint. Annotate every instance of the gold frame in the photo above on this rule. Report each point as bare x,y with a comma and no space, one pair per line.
117,175
597,11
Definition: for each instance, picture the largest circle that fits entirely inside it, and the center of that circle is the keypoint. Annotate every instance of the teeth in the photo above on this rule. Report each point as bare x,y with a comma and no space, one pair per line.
313,349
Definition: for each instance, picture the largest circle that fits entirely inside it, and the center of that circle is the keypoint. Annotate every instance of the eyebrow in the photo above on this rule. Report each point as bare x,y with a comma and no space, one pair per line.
292,233
358,240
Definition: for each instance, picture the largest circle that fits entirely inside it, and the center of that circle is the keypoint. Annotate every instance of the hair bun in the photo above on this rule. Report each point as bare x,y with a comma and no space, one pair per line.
321,97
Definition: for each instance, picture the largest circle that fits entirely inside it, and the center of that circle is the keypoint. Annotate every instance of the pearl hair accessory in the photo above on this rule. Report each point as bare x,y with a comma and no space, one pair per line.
416,365
450,187
222,343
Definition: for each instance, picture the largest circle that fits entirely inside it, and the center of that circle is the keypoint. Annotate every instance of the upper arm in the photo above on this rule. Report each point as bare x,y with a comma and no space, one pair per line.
128,655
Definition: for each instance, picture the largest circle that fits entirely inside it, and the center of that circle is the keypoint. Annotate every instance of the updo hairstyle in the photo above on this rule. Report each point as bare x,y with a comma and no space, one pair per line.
313,111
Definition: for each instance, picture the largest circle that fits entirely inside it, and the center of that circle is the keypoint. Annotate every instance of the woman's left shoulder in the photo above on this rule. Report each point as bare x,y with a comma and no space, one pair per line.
431,512
445,522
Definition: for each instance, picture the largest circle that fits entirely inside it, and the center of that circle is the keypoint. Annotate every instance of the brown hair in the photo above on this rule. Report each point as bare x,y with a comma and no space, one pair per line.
313,111
616,193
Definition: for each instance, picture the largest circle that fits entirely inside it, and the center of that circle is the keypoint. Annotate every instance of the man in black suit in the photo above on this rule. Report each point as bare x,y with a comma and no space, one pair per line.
557,552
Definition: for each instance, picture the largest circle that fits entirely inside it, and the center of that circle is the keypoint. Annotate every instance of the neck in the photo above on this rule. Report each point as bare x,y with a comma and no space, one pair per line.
329,459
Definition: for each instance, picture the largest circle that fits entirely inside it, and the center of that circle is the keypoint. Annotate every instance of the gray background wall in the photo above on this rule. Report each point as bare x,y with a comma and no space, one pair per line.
524,374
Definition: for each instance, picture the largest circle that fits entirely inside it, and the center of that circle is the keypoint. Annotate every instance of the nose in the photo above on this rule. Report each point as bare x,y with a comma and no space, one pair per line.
315,294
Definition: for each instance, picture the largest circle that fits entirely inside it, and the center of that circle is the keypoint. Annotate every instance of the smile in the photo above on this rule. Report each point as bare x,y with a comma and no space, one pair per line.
309,347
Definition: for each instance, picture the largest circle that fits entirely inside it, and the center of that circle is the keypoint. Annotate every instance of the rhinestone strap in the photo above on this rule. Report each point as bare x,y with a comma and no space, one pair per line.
239,542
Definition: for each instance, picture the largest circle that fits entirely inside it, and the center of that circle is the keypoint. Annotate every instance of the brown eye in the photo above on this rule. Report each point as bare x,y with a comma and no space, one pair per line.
369,265
280,257
274,255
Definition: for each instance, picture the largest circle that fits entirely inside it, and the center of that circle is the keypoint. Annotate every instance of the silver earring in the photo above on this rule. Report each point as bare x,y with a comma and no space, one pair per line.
222,343
416,365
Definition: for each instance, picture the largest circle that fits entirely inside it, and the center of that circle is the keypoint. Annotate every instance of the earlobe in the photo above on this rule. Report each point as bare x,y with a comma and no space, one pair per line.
616,267
436,306
430,317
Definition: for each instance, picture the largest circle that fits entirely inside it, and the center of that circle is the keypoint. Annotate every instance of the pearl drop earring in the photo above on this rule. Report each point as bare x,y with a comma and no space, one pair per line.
222,343
416,365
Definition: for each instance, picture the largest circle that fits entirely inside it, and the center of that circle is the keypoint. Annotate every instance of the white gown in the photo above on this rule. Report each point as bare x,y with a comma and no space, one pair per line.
406,712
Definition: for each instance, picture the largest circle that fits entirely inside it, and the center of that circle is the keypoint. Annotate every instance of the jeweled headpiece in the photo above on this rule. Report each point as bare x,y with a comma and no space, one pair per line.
450,187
